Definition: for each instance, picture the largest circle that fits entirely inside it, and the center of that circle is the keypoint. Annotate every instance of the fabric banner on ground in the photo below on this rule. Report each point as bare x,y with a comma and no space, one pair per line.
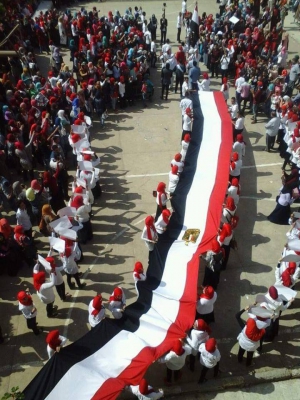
117,353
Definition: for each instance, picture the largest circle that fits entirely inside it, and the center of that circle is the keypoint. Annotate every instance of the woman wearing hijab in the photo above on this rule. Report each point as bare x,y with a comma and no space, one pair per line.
281,214
144,391
29,311
229,209
175,361
225,89
138,272
57,59
209,358
203,86
274,304
47,218
54,342
117,302
198,335
83,209
162,222
249,340
26,245
45,291
96,311
161,199
205,305
24,154
56,195
5,228
68,259
149,234
213,259
285,275
234,190
224,238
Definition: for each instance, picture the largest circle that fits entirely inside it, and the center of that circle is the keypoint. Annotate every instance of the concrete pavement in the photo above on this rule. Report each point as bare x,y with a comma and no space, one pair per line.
136,147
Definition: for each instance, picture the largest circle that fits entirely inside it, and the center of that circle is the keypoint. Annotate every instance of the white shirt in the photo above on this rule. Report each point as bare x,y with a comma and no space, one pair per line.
183,7
239,148
236,171
239,123
27,310
233,111
184,104
195,338
153,395
153,47
160,224
179,21
187,123
238,83
95,319
204,85
184,148
175,362
23,219
173,180
209,360
206,306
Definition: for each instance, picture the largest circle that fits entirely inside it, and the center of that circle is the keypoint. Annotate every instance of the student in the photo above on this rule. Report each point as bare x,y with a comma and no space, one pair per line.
96,311
198,335
209,358
54,342
29,311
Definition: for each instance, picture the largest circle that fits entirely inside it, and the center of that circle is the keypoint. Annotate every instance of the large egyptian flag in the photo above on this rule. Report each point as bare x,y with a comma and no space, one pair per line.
118,352
194,25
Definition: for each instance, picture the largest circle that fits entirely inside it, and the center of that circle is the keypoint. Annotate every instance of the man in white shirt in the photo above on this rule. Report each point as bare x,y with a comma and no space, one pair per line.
179,26
238,84
185,86
166,47
153,54
233,109
272,128
147,37
183,7
185,103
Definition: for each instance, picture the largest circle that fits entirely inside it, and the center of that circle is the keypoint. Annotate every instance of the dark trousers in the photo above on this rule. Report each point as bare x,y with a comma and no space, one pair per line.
163,37
224,73
165,87
226,257
238,99
31,324
69,280
214,68
159,211
49,309
249,356
204,372
177,375
192,362
179,81
245,101
178,34
270,141
153,59
61,291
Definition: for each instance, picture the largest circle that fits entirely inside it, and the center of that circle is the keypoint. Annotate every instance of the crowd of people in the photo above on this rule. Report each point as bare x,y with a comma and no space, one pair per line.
45,122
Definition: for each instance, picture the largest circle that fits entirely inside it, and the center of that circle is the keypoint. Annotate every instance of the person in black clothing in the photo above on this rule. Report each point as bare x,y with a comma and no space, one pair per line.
153,26
166,75
179,72
163,30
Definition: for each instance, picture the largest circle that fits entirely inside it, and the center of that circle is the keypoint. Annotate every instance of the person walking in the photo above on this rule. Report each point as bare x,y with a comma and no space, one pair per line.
272,128
54,342
198,335
175,361
163,30
166,75
45,291
96,311
29,311
210,358
149,234
249,338
194,75
179,26
205,305
117,303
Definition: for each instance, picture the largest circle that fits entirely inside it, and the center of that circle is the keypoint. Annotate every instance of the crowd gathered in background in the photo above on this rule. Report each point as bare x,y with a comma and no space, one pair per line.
45,124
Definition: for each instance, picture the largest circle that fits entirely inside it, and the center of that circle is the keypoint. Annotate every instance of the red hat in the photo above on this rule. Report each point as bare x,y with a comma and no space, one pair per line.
178,157
117,293
81,116
273,293
75,137
235,156
138,267
79,189
201,325
211,345
239,138
51,261
97,304
208,292
35,185
187,137
295,118
161,187
175,170
53,340
73,96
24,298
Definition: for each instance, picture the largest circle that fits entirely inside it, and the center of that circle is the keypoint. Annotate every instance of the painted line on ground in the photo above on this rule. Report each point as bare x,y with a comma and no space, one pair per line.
167,173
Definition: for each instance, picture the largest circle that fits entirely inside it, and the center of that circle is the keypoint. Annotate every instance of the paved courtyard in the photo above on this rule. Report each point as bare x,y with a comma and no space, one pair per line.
136,147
